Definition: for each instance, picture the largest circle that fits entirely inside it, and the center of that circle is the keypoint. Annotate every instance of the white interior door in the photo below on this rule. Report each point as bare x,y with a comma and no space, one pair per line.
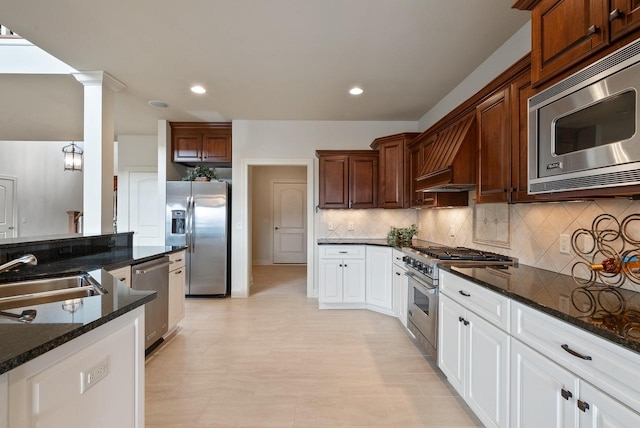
289,220
144,218
7,208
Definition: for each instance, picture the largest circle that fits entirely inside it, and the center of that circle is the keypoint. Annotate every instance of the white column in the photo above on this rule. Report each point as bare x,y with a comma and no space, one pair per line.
98,169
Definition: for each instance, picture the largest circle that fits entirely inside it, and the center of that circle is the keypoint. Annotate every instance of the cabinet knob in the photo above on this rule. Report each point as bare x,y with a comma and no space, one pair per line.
592,30
615,14
566,394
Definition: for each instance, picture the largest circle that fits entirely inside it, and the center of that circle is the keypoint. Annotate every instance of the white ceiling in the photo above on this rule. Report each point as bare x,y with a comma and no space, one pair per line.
258,59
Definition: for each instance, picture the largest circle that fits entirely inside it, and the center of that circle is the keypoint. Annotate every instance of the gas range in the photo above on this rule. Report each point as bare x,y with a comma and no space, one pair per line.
424,260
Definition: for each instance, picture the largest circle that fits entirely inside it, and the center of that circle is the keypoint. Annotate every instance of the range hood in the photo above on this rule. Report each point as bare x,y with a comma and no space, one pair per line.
450,158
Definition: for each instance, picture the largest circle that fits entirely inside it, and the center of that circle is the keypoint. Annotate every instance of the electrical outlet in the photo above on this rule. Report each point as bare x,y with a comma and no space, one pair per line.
565,244
95,374
331,226
350,226
452,230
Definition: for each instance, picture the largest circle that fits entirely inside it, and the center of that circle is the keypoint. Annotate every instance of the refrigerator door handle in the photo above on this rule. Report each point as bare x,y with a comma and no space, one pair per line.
192,246
189,224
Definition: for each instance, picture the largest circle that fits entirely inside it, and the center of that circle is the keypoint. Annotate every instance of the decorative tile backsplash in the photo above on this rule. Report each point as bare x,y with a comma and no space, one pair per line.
367,224
534,229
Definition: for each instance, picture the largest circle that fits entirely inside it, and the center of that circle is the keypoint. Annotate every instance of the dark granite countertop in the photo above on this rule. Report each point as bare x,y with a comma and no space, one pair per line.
53,325
611,313
383,242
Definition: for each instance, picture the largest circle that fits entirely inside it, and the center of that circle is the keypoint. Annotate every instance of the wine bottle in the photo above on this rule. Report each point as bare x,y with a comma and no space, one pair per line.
615,265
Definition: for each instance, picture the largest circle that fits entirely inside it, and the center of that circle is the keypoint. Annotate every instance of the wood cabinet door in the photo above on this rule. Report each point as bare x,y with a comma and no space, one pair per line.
391,180
363,181
187,147
520,92
216,148
564,32
494,132
624,17
334,181
416,157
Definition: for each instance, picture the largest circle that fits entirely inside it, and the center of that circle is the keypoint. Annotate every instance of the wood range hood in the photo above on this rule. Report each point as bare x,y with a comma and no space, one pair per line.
450,157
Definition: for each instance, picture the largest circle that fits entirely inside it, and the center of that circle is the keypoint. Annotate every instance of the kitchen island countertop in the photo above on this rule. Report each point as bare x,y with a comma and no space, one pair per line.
55,325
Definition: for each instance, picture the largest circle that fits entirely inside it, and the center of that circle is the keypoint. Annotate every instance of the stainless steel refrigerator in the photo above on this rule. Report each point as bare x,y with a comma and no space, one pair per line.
197,215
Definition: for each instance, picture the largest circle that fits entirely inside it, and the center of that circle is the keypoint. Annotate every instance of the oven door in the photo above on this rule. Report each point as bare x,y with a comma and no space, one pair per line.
422,311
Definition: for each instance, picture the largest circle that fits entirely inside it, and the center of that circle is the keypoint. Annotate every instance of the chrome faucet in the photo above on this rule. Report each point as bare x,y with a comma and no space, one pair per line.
27,259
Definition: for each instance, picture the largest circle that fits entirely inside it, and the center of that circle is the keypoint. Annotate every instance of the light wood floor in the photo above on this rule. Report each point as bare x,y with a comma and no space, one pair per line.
275,360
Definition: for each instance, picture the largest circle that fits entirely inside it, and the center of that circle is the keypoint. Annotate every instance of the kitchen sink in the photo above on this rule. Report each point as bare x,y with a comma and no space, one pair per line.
37,291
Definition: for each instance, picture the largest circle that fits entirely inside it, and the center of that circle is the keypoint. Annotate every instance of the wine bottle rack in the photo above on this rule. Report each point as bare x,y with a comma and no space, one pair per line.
608,238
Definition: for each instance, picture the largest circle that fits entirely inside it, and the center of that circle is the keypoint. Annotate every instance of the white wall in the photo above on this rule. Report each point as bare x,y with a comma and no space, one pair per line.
511,51
45,191
259,141
261,207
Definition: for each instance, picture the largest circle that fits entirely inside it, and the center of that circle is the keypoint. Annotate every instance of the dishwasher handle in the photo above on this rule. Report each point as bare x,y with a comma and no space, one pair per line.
151,268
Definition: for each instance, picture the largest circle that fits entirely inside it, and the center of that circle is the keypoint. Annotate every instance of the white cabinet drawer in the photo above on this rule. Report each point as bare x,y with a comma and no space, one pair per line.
608,366
342,251
397,257
491,306
177,259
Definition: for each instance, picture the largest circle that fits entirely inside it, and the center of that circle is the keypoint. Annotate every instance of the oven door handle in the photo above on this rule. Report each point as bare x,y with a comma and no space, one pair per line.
429,287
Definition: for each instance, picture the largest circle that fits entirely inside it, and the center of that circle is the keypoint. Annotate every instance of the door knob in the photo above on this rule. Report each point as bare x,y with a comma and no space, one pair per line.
277,228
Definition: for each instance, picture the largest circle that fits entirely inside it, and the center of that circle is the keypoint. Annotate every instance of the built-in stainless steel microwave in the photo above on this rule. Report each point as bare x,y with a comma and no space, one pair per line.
583,131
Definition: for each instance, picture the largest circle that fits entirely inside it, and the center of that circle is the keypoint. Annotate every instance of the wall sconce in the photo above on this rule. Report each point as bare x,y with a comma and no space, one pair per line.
72,157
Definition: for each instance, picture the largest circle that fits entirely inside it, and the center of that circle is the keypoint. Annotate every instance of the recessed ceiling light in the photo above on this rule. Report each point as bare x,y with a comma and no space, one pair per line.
355,91
198,89
159,104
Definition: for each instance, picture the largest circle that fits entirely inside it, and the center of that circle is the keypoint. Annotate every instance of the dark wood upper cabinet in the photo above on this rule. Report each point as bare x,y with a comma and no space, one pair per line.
624,17
520,93
494,140
416,159
201,142
394,179
564,33
348,178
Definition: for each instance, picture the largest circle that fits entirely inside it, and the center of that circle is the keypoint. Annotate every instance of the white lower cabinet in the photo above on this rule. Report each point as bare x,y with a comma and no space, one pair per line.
342,277
474,355
400,286
543,394
379,279
176,289
95,380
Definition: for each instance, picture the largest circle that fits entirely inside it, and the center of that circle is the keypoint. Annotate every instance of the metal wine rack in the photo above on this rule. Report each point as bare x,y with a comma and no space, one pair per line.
598,295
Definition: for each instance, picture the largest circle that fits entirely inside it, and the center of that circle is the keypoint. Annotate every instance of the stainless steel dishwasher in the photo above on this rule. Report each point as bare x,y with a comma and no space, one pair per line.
153,275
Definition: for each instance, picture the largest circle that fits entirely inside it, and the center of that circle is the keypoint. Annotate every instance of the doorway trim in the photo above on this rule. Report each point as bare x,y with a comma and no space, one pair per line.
16,222
245,221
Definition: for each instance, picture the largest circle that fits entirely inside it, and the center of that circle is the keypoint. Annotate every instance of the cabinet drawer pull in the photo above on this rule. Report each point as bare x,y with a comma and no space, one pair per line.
178,272
343,252
615,14
574,353
178,261
398,273
460,319
122,279
566,394
592,30
583,406
464,293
